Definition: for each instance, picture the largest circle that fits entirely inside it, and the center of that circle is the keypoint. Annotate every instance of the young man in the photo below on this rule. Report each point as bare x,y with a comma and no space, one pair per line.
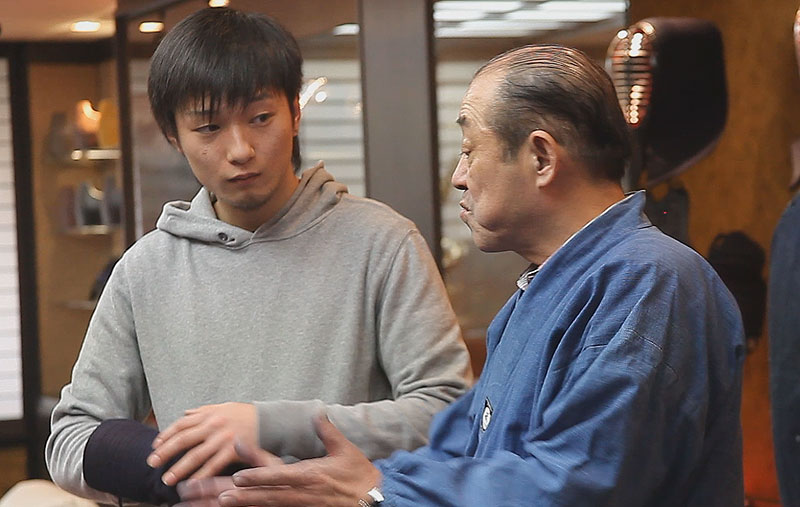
263,301
613,374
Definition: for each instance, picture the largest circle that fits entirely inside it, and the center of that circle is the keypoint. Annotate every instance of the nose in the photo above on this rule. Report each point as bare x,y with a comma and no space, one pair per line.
239,147
459,179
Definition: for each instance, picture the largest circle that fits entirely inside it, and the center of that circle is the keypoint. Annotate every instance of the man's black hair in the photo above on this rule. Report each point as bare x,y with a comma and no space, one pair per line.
562,91
221,54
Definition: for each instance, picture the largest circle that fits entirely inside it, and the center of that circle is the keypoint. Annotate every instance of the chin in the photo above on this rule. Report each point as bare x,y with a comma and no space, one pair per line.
248,203
494,239
487,244
490,248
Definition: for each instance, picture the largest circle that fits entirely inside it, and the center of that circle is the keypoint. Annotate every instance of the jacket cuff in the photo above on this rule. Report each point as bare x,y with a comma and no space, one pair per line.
114,462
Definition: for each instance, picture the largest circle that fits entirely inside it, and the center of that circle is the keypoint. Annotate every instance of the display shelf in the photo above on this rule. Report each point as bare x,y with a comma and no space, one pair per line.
95,154
91,230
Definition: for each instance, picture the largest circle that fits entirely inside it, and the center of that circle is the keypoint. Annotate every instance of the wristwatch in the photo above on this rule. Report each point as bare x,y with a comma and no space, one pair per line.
375,498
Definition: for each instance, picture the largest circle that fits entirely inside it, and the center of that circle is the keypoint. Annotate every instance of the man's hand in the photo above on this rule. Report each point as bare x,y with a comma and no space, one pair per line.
340,478
205,492
207,434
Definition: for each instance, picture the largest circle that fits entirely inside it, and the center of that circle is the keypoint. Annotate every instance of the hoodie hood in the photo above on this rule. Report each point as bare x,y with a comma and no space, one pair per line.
316,196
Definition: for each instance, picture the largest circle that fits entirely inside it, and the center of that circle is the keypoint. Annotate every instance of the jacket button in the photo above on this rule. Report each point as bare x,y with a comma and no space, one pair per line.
222,236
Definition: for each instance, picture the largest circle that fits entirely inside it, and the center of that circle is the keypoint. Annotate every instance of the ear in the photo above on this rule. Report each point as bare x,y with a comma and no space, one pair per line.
296,116
175,143
545,156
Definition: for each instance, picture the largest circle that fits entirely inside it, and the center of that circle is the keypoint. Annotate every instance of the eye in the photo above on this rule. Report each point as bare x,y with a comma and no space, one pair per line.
207,129
465,154
262,118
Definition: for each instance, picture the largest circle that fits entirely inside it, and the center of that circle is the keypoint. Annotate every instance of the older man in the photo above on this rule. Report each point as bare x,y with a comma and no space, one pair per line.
613,373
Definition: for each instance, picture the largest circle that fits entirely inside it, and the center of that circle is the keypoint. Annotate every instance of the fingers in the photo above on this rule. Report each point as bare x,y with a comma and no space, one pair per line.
205,459
206,435
215,464
220,491
187,464
255,456
189,420
333,439
179,436
294,475
267,496
196,489
205,502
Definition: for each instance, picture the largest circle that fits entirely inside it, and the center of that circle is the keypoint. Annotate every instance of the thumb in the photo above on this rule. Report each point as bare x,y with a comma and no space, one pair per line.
255,456
333,439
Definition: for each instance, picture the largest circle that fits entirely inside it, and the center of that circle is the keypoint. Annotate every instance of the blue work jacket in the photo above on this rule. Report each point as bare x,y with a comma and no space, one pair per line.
614,379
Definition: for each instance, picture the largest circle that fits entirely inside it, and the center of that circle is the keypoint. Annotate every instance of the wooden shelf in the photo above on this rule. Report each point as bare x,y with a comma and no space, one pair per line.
91,230
95,154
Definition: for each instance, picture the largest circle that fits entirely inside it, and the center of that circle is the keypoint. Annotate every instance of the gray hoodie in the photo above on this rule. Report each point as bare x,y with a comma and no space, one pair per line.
333,304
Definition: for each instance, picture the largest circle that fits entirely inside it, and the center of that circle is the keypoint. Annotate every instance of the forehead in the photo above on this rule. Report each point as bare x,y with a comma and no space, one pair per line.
477,101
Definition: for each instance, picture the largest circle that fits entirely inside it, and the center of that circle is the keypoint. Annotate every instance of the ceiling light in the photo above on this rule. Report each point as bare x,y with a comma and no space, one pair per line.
454,15
496,7
496,29
85,26
151,26
560,15
455,32
218,3
500,26
346,29
566,5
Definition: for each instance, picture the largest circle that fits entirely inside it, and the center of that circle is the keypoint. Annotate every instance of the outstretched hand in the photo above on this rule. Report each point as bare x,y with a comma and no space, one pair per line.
206,492
340,478
208,435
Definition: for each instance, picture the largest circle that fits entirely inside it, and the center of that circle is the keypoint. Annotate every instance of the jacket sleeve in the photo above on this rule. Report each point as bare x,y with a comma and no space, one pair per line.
451,430
114,460
583,448
422,353
107,383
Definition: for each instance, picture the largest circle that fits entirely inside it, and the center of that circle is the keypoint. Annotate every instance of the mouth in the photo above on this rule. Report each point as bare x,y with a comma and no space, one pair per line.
465,212
243,177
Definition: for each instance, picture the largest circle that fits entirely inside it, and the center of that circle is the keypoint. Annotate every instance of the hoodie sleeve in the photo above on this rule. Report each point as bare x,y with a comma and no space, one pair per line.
421,352
107,383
